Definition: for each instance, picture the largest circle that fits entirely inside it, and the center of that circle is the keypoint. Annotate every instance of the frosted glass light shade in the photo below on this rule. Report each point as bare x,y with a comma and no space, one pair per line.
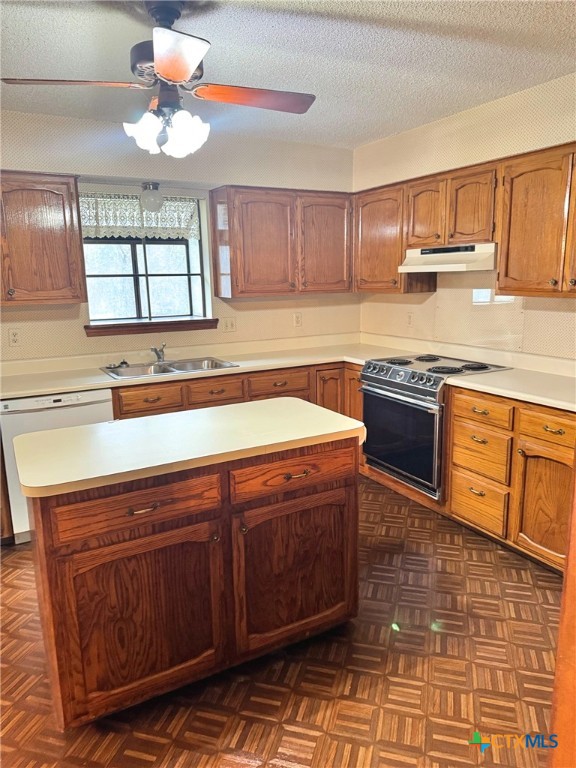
145,132
186,134
151,198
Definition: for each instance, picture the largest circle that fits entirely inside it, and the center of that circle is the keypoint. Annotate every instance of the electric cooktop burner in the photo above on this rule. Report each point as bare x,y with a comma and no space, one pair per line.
398,361
445,369
475,367
427,358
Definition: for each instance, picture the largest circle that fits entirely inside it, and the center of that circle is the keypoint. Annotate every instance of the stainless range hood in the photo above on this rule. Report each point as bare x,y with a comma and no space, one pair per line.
450,258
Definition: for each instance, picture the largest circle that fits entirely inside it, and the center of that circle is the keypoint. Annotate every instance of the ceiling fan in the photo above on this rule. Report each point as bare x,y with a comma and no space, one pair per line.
173,61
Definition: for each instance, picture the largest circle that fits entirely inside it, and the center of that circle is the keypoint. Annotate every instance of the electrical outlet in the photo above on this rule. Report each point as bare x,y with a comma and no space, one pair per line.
297,319
14,336
228,324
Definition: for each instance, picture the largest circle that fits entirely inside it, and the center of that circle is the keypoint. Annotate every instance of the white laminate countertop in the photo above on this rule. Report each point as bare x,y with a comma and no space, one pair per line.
76,458
518,383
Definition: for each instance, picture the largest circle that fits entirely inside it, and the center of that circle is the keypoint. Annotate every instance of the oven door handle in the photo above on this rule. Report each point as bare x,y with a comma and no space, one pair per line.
428,407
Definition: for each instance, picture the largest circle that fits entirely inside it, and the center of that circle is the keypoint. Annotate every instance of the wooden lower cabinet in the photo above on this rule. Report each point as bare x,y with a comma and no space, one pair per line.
542,493
148,585
511,471
330,388
313,538
353,398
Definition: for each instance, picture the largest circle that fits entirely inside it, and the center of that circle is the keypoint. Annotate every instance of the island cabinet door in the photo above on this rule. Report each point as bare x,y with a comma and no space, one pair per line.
143,617
294,569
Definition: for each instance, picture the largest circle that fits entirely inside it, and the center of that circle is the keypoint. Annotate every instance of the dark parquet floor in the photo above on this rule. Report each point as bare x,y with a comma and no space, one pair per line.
454,634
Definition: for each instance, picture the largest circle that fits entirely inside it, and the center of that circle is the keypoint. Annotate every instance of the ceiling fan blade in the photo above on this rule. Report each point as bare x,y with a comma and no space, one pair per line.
104,83
281,101
176,55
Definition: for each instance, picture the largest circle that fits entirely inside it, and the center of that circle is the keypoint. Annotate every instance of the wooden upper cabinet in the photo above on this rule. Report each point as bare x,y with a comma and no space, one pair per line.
534,224
378,244
263,232
42,259
426,213
280,242
570,267
324,242
470,199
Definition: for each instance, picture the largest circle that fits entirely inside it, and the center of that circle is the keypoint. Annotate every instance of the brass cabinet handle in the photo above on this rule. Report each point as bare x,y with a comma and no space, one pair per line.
290,476
521,452
475,492
280,383
217,391
481,411
393,281
131,512
572,281
292,285
152,399
215,537
243,529
11,291
451,235
437,236
553,281
553,431
305,283
481,440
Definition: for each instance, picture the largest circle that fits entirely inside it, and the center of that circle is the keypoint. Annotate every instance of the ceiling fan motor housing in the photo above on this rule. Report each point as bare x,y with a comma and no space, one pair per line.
164,12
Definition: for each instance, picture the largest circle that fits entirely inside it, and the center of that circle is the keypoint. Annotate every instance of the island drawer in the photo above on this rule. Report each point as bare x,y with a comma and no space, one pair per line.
97,517
487,410
216,389
279,382
482,450
477,501
556,427
148,399
291,474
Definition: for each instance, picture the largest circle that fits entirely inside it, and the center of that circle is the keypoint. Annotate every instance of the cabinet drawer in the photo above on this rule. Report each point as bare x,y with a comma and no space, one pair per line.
150,399
97,517
482,450
216,389
483,409
290,474
546,425
477,501
278,382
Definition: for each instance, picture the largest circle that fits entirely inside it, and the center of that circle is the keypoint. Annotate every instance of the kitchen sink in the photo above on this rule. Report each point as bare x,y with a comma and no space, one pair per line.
195,365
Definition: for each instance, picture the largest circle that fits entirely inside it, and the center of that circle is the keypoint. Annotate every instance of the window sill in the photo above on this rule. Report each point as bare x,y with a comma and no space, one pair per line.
115,328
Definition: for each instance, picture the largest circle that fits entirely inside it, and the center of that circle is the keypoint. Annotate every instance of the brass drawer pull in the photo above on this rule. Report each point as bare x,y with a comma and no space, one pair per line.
243,529
481,440
215,537
131,512
481,411
217,391
553,431
475,492
290,476
553,281
521,452
11,291
152,399
280,383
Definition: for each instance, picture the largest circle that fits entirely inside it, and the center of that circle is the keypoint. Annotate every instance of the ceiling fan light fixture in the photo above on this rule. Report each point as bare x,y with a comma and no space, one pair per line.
145,132
186,134
151,198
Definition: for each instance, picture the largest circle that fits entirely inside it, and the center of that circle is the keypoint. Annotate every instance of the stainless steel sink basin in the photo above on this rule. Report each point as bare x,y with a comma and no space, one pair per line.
197,364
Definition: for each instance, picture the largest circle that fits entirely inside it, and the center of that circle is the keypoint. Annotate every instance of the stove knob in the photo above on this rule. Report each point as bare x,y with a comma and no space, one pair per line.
413,377
369,368
430,380
400,375
422,378
382,369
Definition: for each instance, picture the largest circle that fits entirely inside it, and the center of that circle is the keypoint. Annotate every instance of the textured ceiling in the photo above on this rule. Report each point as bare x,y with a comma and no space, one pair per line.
377,68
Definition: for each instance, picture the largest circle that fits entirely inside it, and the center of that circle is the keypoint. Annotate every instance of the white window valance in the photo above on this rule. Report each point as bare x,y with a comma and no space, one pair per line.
108,215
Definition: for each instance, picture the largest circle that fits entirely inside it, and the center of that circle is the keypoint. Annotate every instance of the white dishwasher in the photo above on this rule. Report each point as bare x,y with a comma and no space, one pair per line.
35,414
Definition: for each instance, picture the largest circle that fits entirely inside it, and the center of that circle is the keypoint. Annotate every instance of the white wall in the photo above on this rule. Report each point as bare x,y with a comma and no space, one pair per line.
532,119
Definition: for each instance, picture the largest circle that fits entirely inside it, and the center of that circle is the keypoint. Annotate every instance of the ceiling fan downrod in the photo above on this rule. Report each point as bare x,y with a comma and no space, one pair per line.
164,12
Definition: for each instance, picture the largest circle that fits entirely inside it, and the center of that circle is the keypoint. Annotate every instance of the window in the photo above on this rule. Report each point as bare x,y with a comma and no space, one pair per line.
144,269
144,279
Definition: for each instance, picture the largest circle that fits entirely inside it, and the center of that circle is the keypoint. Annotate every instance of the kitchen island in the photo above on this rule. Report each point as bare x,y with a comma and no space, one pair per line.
173,546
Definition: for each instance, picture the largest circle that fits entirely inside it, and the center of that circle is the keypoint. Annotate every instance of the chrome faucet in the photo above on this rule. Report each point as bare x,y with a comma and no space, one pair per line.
159,352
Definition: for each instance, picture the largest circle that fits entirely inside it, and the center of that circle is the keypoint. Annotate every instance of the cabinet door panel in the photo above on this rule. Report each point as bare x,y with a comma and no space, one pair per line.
147,612
353,398
542,494
570,268
41,243
378,240
330,389
264,234
426,214
471,208
294,568
324,243
534,223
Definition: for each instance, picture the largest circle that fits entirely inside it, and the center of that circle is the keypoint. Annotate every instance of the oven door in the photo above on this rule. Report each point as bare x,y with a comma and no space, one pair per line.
404,438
